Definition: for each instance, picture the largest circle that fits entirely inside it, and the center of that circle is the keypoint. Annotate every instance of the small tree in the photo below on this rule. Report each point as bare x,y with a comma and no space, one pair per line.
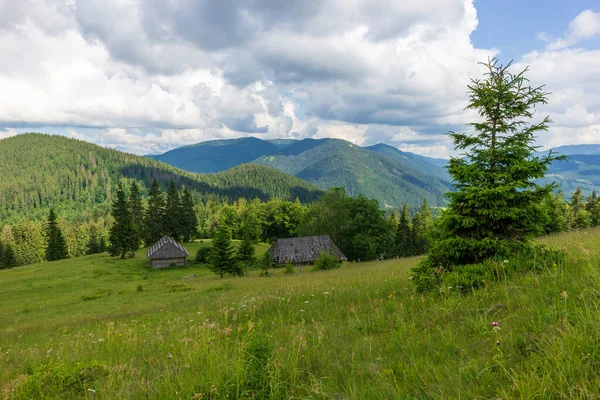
56,246
203,255
405,243
222,260
9,259
266,264
288,268
496,206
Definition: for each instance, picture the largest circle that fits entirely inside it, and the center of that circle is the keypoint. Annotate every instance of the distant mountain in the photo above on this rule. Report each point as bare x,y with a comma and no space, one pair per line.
577,149
219,155
580,170
391,179
427,165
38,171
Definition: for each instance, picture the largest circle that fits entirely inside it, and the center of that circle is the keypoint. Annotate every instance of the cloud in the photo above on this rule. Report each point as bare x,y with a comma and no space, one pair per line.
585,26
149,75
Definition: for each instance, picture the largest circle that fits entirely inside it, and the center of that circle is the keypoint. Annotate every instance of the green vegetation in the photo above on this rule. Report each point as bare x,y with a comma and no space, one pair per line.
326,261
330,163
79,179
496,208
56,249
81,327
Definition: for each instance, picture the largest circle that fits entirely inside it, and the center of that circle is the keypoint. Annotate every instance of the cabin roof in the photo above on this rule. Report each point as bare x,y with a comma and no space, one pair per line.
166,248
302,250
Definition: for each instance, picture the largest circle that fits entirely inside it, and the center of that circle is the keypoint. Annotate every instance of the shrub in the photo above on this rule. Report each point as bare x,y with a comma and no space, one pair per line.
326,261
203,255
289,268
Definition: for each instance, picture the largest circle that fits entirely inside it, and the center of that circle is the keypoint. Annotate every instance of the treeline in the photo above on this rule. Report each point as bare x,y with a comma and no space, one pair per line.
562,215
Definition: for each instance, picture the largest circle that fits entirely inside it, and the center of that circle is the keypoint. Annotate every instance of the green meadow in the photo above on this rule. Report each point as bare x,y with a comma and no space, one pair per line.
100,327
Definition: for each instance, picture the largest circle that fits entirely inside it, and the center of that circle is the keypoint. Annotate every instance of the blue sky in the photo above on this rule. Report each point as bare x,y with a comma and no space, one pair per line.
512,26
146,76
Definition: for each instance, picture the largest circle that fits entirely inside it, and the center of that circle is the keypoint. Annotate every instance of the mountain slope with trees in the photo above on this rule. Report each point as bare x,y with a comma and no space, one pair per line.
78,178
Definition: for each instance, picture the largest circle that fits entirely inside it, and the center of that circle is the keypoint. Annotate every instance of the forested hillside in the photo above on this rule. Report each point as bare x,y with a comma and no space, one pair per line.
77,177
337,163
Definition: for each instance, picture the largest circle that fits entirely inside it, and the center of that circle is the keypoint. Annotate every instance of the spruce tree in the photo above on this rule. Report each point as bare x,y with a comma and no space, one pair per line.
404,235
581,216
222,260
172,220
137,215
9,259
422,223
154,216
496,206
122,231
189,219
56,246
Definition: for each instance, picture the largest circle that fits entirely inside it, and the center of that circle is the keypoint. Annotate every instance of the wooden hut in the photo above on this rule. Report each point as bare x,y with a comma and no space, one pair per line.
303,250
166,252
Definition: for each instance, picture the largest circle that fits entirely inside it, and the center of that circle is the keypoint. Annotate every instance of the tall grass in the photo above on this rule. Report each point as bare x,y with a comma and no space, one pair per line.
82,328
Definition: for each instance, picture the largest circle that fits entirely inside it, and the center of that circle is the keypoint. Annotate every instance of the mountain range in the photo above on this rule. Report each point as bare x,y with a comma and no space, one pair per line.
381,172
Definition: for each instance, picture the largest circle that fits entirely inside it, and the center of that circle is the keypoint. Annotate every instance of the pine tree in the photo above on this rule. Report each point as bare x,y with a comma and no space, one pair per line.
56,246
154,216
136,211
172,221
496,206
422,223
189,219
9,259
122,231
222,259
404,235
581,216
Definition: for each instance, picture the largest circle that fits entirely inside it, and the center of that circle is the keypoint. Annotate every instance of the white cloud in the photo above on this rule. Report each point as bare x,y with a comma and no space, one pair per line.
148,75
585,26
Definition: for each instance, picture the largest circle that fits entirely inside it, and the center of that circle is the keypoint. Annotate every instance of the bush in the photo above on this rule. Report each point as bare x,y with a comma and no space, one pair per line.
203,255
326,261
289,268
470,277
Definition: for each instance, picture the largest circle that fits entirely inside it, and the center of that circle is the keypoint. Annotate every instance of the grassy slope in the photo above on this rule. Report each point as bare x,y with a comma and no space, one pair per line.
359,332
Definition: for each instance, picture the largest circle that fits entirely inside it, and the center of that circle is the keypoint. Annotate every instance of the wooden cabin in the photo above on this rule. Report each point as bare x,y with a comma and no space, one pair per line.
166,252
303,250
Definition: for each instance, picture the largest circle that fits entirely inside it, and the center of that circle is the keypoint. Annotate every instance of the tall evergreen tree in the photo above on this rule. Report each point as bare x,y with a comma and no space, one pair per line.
496,206
222,259
56,246
189,219
172,221
9,259
122,231
154,216
136,210
405,243
422,223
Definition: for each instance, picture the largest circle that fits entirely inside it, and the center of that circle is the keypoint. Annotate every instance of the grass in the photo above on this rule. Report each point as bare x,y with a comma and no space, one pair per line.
98,327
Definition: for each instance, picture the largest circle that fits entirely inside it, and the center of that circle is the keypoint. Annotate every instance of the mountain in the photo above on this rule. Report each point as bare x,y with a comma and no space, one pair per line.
334,162
427,165
577,149
579,170
77,177
219,155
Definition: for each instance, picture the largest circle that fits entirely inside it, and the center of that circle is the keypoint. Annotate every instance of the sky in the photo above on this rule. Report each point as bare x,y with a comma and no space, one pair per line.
146,76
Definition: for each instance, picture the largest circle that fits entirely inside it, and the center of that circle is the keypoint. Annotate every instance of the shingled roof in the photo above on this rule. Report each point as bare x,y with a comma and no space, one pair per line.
166,248
303,250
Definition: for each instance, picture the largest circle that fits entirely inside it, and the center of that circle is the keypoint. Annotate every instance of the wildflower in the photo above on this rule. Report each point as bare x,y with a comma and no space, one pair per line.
497,343
325,293
170,355
505,261
91,390
494,323
100,340
301,310
306,302
564,294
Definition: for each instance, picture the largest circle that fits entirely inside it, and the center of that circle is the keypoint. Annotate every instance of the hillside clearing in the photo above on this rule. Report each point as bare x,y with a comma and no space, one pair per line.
102,327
